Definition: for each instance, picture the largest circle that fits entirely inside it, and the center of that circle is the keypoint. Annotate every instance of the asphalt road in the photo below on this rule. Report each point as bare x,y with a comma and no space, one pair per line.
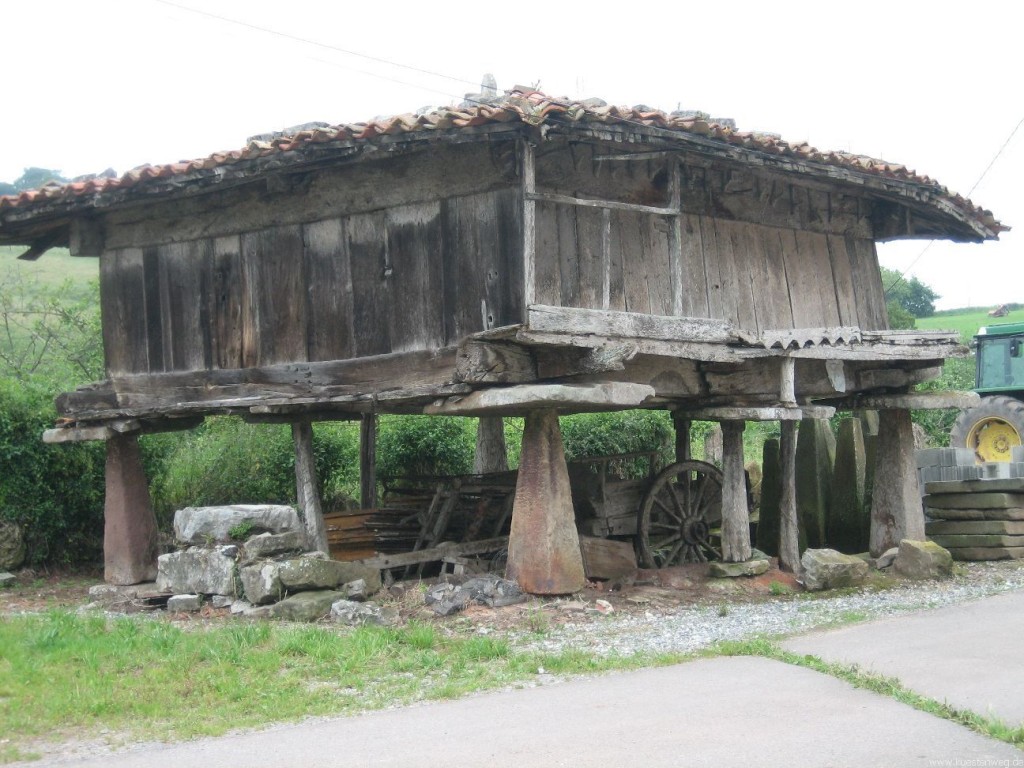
714,712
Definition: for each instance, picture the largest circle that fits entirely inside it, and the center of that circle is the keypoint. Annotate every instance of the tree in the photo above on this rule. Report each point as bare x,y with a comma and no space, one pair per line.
33,178
911,294
49,333
899,318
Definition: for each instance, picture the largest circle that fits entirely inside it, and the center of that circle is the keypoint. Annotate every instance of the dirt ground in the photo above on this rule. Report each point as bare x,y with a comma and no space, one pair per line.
643,591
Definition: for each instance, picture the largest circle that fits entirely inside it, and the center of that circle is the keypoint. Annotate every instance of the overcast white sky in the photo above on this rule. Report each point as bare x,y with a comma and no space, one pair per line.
937,86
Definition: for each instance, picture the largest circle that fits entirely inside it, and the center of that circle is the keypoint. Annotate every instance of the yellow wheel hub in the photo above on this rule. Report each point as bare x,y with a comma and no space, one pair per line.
992,439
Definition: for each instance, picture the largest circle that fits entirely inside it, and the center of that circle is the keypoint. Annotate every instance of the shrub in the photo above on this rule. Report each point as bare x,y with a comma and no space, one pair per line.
597,434
227,461
425,445
54,492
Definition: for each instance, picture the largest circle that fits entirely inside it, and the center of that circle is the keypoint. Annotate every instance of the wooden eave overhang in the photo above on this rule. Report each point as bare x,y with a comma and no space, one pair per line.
912,208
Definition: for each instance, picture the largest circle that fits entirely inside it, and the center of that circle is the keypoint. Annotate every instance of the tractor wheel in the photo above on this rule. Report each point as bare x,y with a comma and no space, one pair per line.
990,429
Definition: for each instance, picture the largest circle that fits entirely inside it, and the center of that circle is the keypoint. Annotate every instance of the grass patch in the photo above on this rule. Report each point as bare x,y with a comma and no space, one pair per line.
64,674
870,681
967,322
56,266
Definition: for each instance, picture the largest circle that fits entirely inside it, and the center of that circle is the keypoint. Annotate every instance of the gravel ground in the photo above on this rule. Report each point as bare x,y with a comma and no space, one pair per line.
692,628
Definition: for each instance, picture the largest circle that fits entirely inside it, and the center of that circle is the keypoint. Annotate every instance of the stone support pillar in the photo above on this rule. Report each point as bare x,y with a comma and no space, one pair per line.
129,525
544,549
896,511
735,515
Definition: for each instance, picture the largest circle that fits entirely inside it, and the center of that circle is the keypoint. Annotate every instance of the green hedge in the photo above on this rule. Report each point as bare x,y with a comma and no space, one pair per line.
54,492
227,461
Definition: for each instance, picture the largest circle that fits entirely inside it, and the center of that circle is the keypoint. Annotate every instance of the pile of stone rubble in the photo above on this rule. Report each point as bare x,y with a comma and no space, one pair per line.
254,559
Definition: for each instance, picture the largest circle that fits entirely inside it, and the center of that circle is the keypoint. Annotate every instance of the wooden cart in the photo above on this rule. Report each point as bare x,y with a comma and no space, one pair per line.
670,514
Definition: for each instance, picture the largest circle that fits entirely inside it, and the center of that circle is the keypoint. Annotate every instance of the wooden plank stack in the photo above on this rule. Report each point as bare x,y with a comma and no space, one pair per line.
421,513
362,533
977,519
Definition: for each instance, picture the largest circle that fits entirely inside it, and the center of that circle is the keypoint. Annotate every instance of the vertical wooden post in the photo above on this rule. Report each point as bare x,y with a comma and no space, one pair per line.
787,384
307,488
675,238
529,183
543,547
896,511
491,454
129,525
735,516
368,461
789,527
681,422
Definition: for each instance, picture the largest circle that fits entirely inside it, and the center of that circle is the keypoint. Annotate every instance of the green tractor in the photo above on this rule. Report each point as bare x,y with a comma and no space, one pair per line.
996,424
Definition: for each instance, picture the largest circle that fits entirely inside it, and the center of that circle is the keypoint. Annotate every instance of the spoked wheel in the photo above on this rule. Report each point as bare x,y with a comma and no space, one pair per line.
675,518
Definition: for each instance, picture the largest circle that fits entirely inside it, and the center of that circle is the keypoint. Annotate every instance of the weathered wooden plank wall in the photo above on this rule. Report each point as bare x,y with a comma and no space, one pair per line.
413,277
758,277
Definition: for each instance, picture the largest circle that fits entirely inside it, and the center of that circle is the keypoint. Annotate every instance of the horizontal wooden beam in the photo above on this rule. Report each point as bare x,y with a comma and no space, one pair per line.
548,197
758,413
687,350
629,325
197,391
912,400
523,398
434,554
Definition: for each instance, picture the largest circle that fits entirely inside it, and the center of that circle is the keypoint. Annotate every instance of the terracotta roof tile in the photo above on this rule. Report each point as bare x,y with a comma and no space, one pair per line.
520,104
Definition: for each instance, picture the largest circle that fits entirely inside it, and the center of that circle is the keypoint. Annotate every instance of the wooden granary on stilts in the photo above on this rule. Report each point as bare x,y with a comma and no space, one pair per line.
518,255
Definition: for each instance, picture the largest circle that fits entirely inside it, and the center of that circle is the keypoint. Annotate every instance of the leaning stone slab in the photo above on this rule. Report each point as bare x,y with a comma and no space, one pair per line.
987,553
735,570
974,500
7,579
828,569
1012,513
358,614
849,521
184,603
974,527
269,544
261,583
923,560
305,606
203,525
993,540
196,570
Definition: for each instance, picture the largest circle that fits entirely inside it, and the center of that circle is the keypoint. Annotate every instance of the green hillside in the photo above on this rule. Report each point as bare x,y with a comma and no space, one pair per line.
52,268
968,322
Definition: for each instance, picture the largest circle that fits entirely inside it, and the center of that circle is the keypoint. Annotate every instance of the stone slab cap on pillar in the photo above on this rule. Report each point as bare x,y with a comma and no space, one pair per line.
544,548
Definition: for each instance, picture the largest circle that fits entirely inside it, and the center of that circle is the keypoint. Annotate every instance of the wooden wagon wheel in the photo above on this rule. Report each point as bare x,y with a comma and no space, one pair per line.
675,518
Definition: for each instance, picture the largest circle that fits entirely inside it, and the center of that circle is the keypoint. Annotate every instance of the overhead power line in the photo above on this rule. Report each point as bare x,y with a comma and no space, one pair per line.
317,43
970,192
467,97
